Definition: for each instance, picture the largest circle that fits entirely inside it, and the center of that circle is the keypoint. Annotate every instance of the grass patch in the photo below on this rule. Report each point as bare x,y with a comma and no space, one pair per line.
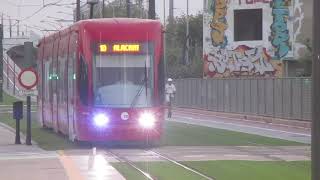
251,170
222,170
158,170
175,134
7,99
181,134
45,138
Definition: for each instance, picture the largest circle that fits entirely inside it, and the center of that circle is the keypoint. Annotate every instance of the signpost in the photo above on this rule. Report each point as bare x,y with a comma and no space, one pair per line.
28,79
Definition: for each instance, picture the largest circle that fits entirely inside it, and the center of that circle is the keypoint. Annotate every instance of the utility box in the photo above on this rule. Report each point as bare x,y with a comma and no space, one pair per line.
18,110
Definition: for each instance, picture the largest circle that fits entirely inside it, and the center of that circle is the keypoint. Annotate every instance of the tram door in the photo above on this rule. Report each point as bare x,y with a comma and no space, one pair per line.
71,84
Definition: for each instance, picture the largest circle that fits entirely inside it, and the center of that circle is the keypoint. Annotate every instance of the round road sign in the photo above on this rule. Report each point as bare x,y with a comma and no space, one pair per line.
28,78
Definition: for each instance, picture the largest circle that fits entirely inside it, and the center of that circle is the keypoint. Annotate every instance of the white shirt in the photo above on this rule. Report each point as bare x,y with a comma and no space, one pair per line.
170,89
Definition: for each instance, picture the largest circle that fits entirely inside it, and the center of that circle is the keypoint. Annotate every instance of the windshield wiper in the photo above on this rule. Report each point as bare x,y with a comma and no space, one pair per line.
134,101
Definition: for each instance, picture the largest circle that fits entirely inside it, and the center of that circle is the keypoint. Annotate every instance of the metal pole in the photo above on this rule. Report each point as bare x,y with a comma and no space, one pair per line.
7,63
171,12
164,40
103,8
187,50
128,9
17,140
14,78
28,46
78,11
164,13
1,61
152,10
315,93
2,18
28,135
18,28
91,11
10,27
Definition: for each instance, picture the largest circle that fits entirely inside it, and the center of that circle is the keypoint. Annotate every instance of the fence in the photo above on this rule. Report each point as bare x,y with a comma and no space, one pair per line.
288,98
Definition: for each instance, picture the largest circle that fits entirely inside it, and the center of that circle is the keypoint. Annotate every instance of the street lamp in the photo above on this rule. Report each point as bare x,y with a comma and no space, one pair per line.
92,3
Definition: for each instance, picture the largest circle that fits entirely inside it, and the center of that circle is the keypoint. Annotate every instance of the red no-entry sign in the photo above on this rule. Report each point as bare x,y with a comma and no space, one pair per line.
28,78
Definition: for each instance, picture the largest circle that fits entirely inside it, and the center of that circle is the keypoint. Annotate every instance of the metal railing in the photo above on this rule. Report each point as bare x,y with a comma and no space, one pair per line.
287,98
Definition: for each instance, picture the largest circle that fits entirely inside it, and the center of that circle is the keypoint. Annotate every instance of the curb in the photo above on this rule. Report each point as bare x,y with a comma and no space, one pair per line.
22,136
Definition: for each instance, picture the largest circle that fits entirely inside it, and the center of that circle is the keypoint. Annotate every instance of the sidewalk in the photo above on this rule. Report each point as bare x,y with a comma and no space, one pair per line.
20,162
27,162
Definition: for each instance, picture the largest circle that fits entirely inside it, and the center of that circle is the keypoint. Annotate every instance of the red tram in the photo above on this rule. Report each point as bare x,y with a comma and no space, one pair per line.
103,80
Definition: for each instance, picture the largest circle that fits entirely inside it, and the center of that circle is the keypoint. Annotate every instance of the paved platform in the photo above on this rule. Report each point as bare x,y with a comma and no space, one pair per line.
31,162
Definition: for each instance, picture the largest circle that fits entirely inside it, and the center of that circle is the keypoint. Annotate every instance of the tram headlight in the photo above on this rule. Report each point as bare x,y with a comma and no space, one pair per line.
101,120
147,120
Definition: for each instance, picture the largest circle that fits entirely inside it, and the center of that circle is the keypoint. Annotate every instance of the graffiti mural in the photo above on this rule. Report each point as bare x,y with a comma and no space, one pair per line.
254,1
242,61
219,23
280,34
226,57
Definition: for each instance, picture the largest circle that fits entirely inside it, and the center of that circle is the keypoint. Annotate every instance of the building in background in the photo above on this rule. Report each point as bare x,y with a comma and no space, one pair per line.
254,37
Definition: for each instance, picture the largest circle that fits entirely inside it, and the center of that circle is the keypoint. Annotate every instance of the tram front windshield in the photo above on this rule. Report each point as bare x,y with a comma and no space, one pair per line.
123,80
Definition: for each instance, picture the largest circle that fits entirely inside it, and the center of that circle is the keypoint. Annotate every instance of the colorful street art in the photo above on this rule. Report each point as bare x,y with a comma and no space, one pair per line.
242,61
219,23
280,34
254,1
224,57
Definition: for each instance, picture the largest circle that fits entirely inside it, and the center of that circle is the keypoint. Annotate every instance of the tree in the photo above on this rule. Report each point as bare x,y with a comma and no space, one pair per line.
176,46
117,8
306,57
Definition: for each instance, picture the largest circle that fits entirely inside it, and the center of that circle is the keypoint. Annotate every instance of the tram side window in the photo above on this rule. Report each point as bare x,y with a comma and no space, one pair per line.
46,81
83,81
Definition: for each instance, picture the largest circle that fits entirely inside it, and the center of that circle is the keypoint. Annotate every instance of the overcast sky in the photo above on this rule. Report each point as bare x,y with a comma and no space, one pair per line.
34,16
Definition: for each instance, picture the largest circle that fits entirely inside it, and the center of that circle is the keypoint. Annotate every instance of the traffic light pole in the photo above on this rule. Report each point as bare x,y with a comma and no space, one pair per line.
315,93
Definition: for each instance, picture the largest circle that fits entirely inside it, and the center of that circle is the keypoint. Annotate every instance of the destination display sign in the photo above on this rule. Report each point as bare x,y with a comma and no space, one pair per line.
121,48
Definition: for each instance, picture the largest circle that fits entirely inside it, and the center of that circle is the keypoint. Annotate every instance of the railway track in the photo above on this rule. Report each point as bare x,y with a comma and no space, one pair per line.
124,159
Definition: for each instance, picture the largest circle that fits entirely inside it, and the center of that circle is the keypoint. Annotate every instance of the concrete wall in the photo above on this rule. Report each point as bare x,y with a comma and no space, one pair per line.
282,26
